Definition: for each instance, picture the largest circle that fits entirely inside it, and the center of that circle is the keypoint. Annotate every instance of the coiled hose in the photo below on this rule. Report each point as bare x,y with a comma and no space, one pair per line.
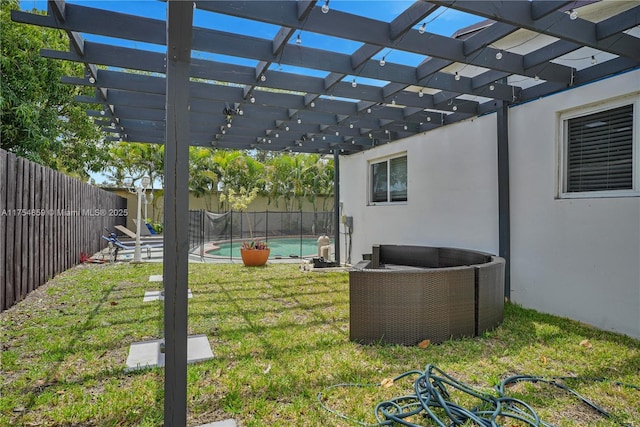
432,394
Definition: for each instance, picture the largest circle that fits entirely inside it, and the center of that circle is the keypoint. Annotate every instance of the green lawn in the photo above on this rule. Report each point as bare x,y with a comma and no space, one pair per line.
280,336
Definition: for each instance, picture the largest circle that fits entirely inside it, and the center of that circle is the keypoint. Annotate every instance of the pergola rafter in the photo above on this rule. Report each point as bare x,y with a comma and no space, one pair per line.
468,74
606,36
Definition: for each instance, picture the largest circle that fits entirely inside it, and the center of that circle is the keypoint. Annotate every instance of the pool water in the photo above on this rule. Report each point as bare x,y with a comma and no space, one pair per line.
280,247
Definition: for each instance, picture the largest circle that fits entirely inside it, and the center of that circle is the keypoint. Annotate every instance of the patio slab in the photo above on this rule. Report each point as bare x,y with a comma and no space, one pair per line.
225,423
158,295
149,354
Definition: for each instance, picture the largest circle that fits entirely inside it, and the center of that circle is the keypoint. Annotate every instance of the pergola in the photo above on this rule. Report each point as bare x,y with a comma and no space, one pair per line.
198,85
524,50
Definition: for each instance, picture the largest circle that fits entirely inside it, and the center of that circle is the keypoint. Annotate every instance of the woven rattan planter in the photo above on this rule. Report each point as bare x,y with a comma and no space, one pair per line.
406,294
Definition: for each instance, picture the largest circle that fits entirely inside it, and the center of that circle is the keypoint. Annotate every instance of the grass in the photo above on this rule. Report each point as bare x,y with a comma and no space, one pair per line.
280,336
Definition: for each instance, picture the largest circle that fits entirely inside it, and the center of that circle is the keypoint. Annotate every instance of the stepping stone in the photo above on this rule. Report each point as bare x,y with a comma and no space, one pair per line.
155,278
150,354
198,349
159,295
225,423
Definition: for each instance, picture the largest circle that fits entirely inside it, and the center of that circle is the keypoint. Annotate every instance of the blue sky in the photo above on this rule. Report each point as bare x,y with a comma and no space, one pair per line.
384,10
444,22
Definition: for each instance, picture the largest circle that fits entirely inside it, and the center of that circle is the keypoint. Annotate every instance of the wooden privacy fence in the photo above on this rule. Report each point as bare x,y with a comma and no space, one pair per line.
47,220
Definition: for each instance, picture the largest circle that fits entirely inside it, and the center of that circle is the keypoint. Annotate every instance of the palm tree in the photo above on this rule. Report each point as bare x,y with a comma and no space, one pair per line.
238,170
204,173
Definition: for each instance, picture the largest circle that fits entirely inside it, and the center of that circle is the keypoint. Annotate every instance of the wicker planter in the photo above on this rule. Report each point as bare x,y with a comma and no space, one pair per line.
406,294
254,257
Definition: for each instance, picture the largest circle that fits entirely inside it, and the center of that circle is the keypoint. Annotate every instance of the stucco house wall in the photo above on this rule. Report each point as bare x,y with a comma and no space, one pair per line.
452,191
578,258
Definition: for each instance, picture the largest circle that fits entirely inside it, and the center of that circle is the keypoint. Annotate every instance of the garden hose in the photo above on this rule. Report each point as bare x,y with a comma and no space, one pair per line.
431,399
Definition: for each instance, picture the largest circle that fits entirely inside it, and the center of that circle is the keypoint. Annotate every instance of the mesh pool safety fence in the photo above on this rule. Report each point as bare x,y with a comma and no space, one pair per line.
208,228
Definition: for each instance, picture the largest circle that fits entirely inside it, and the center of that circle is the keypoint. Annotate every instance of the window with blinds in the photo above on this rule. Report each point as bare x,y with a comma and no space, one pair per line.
388,180
599,151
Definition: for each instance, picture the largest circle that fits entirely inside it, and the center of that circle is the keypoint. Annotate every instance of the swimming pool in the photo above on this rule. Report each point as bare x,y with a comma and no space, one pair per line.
281,247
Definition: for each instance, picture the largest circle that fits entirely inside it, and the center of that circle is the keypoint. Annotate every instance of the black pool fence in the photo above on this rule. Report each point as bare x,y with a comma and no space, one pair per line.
207,227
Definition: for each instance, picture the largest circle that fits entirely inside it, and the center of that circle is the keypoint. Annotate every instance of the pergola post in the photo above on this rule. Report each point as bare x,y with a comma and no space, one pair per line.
176,210
336,203
504,218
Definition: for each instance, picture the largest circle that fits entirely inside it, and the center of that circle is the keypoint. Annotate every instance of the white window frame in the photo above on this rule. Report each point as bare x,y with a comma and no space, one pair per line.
386,159
563,119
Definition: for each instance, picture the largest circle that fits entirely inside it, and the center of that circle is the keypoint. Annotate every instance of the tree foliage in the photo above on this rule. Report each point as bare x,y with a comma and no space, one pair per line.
240,201
204,173
296,178
132,161
239,170
284,178
39,119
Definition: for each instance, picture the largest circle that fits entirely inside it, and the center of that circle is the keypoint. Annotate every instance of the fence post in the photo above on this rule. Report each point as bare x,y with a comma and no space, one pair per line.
39,229
231,234
202,238
17,247
336,205
3,223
